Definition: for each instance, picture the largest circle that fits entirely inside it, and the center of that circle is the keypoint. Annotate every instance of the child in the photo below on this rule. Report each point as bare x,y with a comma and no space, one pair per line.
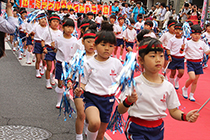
72,16
88,41
165,38
38,48
48,49
129,35
194,50
148,24
176,58
140,24
90,16
152,96
118,30
100,72
66,46
13,37
99,20
112,19
155,25
207,34
22,29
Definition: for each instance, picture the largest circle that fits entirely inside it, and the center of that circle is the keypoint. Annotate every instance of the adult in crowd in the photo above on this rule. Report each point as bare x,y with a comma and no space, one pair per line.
6,26
162,14
137,10
194,15
157,11
115,8
185,10
167,16
126,9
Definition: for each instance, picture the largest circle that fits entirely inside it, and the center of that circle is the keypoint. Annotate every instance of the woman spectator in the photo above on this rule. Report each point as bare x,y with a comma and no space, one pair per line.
115,8
137,10
194,16
167,15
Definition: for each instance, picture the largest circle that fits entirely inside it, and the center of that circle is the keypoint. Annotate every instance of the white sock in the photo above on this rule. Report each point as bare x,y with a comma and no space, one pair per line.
185,88
28,56
177,79
91,135
48,81
171,80
115,56
85,127
20,54
191,94
37,72
79,137
120,56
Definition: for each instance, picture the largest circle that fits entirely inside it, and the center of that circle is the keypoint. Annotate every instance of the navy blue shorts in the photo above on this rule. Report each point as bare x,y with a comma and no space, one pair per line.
104,105
165,54
38,48
176,63
98,25
137,31
58,70
195,66
50,55
22,35
120,42
29,41
134,131
129,44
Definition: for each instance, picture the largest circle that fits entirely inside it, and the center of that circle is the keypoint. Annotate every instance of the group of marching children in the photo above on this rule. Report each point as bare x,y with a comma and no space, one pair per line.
92,99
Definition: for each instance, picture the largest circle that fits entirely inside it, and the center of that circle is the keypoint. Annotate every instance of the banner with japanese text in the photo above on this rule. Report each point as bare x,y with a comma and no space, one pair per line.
56,6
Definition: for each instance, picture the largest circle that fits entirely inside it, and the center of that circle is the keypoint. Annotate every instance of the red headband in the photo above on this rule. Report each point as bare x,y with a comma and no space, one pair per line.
63,23
85,24
173,23
89,35
54,17
153,46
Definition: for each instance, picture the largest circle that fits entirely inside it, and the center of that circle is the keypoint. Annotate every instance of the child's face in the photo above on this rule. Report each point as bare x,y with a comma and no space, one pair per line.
208,29
131,27
152,62
54,24
196,36
121,21
140,19
42,21
68,30
23,16
112,20
90,16
71,12
65,11
104,50
89,45
147,27
171,29
178,33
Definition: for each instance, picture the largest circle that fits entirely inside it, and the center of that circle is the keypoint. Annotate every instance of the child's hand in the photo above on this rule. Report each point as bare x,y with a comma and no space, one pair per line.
53,44
27,35
55,50
183,45
45,51
133,97
192,116
78,91
169,58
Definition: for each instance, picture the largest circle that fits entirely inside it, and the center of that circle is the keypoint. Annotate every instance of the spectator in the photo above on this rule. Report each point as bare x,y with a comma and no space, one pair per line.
157,11
194,15
167,15
126,9
115,8
163,11
184,12
137,10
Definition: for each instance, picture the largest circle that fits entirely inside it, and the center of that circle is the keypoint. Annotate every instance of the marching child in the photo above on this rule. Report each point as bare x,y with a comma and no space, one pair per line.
118,30
13,37
88,41
165,38
207,34
148,24
100,72
22,29
140,24
99,20
49,50
129,36
66,46
152,96
38,31
112,20
72,16
176,58
194,50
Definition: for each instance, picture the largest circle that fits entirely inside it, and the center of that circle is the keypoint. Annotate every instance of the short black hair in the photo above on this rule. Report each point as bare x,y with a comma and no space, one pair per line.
132,21
68,22
196,29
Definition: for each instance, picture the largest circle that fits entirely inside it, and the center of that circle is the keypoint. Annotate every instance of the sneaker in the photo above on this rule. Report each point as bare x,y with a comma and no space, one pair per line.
58,105
205,66
14,49
52,80
28,62
191,98
38,76
42,71
33,60
49,86
176,85
20,58
184,93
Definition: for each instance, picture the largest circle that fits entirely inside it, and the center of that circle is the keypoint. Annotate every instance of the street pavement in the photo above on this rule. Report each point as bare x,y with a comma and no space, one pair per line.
24,101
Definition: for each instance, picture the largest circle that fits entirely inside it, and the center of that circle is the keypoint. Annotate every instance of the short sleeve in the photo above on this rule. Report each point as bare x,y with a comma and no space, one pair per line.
172,99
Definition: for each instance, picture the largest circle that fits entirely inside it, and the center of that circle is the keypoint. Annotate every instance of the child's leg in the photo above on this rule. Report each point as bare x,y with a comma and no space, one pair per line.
172,75
43,64
59,90
192,77
52,75
11,39
93,116
80,117
47,74
193,87
121,51
101,131
179,75
115,51
28,54
38,59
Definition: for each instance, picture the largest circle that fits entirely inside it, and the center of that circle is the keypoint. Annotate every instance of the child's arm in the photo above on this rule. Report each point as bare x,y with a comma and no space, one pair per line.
177,114
79,91
123,107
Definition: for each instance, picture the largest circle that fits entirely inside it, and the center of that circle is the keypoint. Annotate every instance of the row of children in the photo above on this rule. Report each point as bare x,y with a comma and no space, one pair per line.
93,101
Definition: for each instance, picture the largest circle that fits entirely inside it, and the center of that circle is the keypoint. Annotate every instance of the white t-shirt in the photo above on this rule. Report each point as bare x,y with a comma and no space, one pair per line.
30,26
16,21
138,25
118,28
23,26
72,17
39,30
99,19
130,35
55,34
153,99
165,38
66,48
174,45
99,75
195,50
80,43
